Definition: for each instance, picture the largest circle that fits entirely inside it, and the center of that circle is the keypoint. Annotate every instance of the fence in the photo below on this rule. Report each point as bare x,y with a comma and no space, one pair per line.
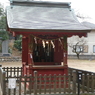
46,85
70,70
2,83
13,71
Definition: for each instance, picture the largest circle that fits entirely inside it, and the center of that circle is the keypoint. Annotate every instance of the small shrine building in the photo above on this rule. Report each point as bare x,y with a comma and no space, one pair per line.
44,27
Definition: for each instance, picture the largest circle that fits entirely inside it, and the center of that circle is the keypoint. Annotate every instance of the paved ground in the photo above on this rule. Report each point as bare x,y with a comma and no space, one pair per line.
88,65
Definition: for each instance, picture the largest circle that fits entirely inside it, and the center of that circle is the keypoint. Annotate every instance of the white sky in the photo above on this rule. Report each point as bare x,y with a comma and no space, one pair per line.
85,8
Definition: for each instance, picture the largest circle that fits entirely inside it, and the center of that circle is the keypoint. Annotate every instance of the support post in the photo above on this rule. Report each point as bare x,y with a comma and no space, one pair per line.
30,50
79,81
74,82
65,50
0,79
35,82
23,68
25,49
4,83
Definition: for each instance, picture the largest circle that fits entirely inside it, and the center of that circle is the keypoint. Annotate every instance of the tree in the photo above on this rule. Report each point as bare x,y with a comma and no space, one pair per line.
3,33
82,17
78,46
18,43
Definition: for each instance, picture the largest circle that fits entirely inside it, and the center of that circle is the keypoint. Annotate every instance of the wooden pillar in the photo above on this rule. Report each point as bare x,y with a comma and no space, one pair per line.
56,57
65,48
58,52
30,50
25,49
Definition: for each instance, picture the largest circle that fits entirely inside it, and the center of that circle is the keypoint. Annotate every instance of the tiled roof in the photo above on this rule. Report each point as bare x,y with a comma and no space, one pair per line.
42,15
89,25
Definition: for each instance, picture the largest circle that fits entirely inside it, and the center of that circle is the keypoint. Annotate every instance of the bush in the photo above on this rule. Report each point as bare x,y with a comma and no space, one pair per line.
18,43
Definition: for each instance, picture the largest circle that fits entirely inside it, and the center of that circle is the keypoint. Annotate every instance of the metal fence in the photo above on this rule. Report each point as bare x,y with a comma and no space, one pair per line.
75,83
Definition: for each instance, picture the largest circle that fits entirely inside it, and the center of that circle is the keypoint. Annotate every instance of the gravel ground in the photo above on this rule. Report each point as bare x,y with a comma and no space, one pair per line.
88,65
11,64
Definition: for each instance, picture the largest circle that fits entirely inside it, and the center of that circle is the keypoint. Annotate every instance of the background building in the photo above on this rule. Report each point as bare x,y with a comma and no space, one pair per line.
89,46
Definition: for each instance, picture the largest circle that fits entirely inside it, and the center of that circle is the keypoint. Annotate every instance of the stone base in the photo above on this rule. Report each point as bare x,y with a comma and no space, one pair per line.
6,54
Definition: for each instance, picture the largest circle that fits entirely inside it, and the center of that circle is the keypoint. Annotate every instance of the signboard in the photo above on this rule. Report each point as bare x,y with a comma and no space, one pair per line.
12,83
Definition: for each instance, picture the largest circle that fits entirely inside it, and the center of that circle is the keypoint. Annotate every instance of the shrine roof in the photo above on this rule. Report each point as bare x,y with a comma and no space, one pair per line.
39,15
89,24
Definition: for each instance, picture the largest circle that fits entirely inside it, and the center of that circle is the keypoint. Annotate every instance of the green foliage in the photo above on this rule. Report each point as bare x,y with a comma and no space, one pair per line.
0,46
10,50
3,32
3,22
4,35
18,43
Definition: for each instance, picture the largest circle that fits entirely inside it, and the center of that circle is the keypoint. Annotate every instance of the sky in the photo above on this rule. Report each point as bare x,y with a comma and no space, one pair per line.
85,8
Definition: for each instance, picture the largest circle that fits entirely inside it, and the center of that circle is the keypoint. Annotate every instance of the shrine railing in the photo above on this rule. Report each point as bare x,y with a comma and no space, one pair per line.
75,83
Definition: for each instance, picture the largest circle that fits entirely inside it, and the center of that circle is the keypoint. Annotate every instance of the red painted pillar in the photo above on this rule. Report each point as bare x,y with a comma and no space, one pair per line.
56,59
30,54
25,49
24,53
65,48
30,50
58,52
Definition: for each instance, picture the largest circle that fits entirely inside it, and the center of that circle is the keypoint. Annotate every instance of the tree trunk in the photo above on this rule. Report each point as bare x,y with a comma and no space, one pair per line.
78,55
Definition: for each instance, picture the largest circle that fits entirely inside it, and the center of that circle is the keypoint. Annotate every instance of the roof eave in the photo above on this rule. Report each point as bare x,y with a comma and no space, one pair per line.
48,30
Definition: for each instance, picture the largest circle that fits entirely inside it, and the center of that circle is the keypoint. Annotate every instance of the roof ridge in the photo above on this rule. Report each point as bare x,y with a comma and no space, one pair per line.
40,3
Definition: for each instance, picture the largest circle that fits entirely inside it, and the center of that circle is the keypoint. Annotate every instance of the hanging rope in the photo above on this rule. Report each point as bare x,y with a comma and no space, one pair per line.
52,44
45,39
34,40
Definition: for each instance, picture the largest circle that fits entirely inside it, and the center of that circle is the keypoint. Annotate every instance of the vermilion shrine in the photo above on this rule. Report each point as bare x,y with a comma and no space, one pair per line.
45,27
